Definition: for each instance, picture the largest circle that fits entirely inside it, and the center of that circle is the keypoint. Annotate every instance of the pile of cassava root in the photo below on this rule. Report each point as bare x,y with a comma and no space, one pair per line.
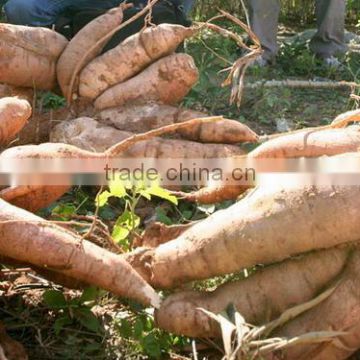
304,238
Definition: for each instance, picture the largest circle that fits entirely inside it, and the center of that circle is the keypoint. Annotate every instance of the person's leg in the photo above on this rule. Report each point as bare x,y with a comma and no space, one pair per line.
45,12
329,39
264,16
34,12
188,5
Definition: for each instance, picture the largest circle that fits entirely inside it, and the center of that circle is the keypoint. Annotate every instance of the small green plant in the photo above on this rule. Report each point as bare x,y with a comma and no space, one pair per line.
243,341
140,330
131,192
52,101
70,311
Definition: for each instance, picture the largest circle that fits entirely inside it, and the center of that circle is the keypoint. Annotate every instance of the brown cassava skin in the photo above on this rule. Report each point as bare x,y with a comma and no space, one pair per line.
159,233
48,151
223,132
87,134
20,92
260,298
36,197
340,312
33,197
311,143
90,135
38,128
215,194
11,349
348,116
130,57
269,225
87,37
28,238
142,118
167,81
29,55
14,113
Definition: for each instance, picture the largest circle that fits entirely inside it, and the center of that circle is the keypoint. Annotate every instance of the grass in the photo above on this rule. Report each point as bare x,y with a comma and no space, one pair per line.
261,108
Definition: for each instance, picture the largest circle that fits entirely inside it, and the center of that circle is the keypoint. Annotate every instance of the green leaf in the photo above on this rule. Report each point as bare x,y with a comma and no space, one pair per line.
89,348
103,198
117,188
120,233
138,329
87,319
162,217
64,210
125,329
89,294
145,194
60,323
124,224
107,213
187,214
162,193
54,299
151,346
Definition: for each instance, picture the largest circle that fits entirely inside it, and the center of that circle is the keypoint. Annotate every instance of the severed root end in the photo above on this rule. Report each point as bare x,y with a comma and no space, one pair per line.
216,194
344,119
33,198
9,348
159,233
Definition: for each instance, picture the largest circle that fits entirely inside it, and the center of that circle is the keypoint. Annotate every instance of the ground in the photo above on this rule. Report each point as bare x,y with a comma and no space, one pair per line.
98,326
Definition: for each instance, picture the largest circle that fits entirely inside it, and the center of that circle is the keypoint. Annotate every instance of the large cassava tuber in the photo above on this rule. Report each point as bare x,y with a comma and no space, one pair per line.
29,55
9,348
36,197
7,90
48,151
339,312
90,135
311,143
87,38
269,225
130,57
158,233
260,298
142,118
27,238
33,197
167,81
14,113
87,134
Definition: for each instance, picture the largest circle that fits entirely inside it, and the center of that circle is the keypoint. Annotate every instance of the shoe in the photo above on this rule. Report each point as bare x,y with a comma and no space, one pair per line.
260,62
332,62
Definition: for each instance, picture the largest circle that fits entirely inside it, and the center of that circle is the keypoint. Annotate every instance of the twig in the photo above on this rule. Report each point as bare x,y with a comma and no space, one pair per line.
127,143
339,122
15,271
215,53
107,37
93,224
302,84
224,32
238,69
246,12
194,351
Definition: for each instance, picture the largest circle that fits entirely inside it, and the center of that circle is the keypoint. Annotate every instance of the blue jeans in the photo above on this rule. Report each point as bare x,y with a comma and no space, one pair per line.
188,5
45,12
